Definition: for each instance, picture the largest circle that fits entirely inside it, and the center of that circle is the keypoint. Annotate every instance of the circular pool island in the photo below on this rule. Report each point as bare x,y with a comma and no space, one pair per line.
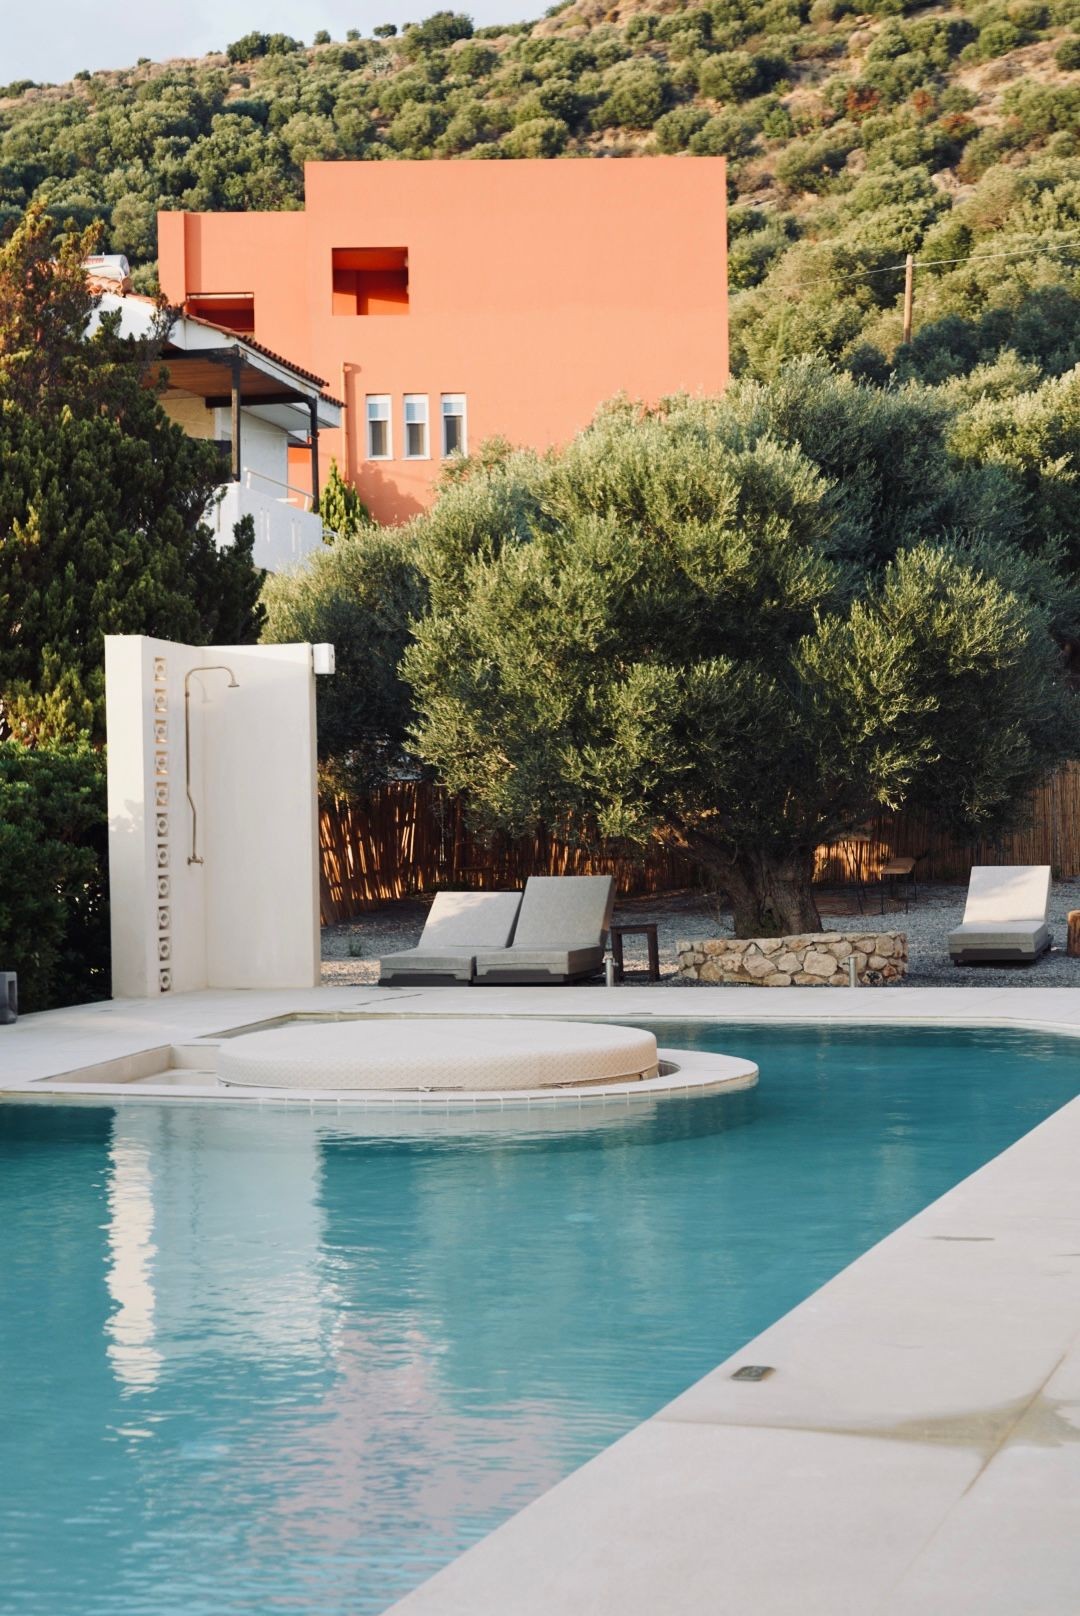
430,1055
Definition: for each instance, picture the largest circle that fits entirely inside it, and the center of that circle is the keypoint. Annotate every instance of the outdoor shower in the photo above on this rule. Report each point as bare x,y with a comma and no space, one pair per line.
210,667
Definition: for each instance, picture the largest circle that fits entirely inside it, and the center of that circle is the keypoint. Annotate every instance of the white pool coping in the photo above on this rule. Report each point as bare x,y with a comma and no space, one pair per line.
694,1073
916,1450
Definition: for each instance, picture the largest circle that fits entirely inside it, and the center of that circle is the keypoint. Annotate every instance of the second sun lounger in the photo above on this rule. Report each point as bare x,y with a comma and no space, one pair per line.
1005,918
459,924
559,935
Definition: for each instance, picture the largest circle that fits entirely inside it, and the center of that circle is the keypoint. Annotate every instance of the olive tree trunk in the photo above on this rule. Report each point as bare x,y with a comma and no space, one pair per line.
771,897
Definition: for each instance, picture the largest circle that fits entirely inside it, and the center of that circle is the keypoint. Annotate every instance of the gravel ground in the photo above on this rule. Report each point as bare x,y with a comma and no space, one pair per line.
351,951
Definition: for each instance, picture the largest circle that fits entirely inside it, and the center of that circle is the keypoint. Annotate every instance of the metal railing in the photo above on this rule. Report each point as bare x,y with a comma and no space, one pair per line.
303,501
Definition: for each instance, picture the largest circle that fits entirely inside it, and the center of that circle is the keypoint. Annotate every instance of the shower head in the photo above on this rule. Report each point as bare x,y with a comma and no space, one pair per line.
212,667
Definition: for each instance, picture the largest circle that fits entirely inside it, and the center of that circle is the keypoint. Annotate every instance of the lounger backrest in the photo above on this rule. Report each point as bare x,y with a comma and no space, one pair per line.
565,911
1008,892
472,919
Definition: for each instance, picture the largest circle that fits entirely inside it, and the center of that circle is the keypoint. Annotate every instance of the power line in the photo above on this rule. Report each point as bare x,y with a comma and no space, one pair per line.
931,263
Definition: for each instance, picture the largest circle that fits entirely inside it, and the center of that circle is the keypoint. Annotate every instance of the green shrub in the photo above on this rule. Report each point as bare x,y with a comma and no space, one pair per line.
809,165
678,25
1041,109
406,89
635,97
1030,15
555,98
474,61
641,28
254,45
442,28
1067,55
896,78
539,137
998,38
732,76
986,149
727,135
910,146
675,130
417,127
751,255
471,126
776,120
54,922
343,512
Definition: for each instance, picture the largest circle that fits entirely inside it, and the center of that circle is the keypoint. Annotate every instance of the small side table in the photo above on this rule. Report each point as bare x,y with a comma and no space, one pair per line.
892,873
646,929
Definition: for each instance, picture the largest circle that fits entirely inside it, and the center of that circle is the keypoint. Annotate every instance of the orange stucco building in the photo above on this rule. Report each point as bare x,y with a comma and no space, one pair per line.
450,302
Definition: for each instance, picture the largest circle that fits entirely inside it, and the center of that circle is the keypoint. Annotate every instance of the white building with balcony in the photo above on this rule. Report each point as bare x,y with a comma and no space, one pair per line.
257,407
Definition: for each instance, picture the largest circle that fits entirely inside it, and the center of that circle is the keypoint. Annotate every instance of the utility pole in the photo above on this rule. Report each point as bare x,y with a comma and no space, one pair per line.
909,294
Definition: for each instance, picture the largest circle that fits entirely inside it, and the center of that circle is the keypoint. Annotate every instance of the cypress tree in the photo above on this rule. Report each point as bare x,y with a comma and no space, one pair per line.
101,498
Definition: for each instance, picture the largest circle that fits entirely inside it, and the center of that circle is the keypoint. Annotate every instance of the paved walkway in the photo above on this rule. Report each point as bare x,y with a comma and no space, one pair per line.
916,1451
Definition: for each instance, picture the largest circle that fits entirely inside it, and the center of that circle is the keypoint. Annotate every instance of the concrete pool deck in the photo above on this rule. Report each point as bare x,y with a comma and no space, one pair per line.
916,1448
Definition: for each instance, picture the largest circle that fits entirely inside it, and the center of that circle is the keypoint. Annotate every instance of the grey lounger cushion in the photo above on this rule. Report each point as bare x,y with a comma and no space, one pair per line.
455,964
1005,917
458,924
1007,939
560,932
538,965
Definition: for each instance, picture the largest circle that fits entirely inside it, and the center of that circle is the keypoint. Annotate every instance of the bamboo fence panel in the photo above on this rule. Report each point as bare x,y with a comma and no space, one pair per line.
1049,834
410,837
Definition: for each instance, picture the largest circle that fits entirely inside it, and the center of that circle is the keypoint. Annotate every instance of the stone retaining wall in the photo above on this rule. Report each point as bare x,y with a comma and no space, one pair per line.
815,960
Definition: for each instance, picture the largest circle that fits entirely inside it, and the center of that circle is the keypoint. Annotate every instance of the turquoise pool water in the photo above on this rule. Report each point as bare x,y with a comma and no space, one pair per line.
259,1362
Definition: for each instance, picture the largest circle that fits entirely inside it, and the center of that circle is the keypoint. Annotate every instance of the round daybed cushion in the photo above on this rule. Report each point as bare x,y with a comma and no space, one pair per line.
430,1054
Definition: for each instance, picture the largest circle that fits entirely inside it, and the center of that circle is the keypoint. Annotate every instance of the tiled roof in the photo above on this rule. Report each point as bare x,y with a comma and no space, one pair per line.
267,353
99,286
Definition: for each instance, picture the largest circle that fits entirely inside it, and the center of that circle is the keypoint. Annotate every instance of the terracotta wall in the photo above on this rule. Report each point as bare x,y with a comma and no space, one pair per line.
537,289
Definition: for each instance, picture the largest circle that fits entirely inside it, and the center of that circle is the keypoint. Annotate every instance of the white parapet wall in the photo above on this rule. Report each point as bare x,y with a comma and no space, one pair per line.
222,890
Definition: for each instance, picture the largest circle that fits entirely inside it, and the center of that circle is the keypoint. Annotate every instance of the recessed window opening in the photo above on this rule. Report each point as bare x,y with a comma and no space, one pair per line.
379,441
370,280
235,311
416,426
454,434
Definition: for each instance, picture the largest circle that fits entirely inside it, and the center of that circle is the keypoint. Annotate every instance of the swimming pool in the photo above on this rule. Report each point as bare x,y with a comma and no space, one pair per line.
259,1360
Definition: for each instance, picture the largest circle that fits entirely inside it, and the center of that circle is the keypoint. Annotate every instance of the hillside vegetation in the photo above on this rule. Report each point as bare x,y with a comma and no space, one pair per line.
853,138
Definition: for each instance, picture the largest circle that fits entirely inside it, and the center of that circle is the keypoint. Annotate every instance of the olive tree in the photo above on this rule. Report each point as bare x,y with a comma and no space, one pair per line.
668,631
360,594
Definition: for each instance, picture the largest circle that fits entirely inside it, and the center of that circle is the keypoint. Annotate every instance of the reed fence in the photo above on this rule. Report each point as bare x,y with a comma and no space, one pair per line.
410,837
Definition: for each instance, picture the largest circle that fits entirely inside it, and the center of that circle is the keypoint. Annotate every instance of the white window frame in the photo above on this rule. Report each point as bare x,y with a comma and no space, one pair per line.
458,406
412,400
382,402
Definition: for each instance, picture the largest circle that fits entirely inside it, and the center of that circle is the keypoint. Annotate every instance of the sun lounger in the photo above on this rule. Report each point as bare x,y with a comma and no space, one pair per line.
559,935
459,924
1006,915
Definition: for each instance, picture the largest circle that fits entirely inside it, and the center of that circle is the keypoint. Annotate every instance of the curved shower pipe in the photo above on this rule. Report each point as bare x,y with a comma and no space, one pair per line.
233,684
